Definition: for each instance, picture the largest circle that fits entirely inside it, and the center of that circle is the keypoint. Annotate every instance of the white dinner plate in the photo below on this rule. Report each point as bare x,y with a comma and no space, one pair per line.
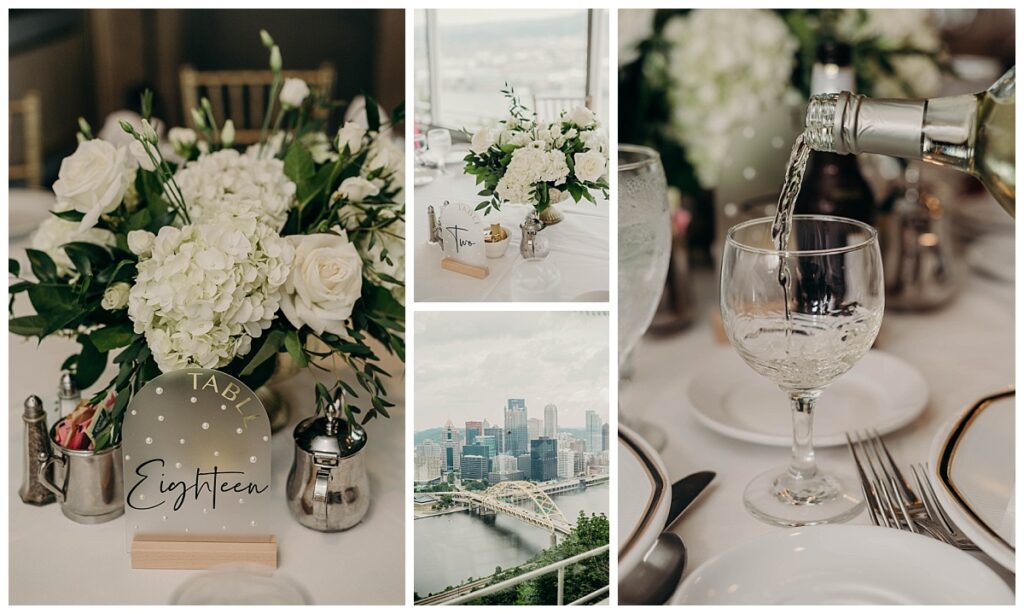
644,498
843,565
27,209
972,472
993,255
880,392
592,296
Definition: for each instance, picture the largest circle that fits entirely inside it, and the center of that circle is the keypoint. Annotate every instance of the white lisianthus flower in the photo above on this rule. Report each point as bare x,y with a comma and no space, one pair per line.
726,67
483,139
355,189
589,165
54,232
182,139
230,183
207,290
115,297
325,282
293,92
93,180
140,242
581,116
138,151
351,136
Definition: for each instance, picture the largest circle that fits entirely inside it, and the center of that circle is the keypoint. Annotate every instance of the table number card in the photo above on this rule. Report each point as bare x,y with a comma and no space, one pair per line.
462,235
196,447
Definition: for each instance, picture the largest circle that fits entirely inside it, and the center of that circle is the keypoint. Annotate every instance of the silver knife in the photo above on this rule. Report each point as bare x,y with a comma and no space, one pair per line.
685,492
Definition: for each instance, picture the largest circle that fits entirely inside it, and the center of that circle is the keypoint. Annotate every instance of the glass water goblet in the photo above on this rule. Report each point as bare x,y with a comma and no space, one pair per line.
802,330
645,238
439,143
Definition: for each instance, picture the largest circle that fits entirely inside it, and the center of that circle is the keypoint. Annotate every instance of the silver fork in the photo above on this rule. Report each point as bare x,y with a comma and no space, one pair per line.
890,499
957,537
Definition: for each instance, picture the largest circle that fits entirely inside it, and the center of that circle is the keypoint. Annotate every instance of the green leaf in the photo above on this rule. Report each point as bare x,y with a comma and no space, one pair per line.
42,265
27,326
398,114
51,299
90,363
113,337
70,215
139,220
298,164
270,347
293,344
372,113
13,267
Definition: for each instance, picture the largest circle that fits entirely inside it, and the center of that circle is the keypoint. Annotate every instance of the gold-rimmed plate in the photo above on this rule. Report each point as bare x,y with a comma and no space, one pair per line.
644,498
973,474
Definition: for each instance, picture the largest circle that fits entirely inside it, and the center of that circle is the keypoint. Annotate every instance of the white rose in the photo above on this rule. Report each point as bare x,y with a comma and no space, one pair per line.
581,116
589,165
351,135
138,151
53,233
325,282
293,92
356,189
140,242
182,139
93,180
482,140
115,297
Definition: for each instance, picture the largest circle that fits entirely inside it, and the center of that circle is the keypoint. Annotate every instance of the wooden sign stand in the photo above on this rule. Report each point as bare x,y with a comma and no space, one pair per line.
170,552
462,268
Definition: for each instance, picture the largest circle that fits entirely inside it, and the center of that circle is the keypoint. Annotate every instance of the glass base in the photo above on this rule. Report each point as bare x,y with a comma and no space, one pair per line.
777,498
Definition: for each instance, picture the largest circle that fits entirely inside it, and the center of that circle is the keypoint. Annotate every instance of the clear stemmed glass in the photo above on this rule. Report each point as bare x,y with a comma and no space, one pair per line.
802,336
645,236
439,143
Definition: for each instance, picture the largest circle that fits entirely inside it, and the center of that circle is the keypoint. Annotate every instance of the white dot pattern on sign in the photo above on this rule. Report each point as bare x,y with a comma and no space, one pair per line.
164,518
193,399
159,390
252,459
223,407
149,440
127,457
177,465
182,441
142,497
206,426
239,431
135,413
187,530
252,523
160,418
216,452
241,500
265,438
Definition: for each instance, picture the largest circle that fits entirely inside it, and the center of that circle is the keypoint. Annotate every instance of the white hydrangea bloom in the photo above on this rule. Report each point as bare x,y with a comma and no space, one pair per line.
726,67
528,167
230,183
55,232
205,291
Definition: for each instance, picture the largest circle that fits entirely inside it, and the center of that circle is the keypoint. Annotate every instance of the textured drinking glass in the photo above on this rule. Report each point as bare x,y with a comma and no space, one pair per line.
801,336
439,143
645,237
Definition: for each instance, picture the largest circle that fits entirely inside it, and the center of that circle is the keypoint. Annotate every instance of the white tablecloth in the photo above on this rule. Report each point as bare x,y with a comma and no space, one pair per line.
56,561
579,246
964,351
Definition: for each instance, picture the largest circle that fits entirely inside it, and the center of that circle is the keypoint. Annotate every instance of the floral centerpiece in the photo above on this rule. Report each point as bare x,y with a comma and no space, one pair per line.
692,78
222,258
519,160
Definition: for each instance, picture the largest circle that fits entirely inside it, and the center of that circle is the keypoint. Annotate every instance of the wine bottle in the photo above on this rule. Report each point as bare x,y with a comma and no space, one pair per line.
973,133
833,183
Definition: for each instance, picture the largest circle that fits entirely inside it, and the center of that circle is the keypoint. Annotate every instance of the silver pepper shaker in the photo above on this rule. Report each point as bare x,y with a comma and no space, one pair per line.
68,395
531,245
37,450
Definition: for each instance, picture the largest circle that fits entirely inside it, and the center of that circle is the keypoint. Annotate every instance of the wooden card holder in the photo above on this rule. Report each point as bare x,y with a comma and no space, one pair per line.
462,268
172,552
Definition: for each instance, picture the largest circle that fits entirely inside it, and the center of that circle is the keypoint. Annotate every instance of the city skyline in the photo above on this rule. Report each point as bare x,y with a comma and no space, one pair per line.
558,358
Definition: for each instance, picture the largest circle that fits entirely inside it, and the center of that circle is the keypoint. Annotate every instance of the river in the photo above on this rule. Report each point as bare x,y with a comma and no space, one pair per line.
455,547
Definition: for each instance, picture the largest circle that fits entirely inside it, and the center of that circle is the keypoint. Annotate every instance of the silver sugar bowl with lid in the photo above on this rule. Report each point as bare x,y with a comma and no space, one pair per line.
328,488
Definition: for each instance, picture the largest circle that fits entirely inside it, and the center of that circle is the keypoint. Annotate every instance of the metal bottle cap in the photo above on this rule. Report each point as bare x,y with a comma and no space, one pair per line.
846,123
67,388
330,434
34,407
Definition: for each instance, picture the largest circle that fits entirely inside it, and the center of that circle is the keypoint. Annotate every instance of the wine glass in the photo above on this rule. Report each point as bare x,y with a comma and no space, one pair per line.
645,236
802,317
439,142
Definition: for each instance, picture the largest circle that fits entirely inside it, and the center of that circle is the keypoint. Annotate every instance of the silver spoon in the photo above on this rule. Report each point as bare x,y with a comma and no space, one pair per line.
657,576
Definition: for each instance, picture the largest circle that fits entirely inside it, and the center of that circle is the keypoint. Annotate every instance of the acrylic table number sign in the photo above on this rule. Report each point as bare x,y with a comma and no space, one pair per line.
196,447
462,240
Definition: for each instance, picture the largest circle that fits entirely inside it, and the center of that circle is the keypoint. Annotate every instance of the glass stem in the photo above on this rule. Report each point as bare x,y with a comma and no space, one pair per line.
802,465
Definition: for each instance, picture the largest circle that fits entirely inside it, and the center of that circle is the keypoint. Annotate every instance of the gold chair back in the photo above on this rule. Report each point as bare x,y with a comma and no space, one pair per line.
242,95
27,111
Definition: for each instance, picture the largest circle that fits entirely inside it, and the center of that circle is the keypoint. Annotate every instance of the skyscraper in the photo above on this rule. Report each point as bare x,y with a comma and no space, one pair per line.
604,437
534,428
427,462
477,449
474,428
523,462
566,464
451,447
593,425
488,442
505,464
543,459
551,421
474,467
516,436
498,434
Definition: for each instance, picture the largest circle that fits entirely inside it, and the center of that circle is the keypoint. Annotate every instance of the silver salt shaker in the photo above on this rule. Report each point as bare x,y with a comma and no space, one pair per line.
37,450
530,244
68,395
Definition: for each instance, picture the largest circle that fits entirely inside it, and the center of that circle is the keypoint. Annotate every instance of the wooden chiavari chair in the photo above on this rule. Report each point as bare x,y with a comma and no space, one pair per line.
28,112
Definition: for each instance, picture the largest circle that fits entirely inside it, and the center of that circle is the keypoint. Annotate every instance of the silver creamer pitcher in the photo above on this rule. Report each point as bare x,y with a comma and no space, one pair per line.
88,485
328,489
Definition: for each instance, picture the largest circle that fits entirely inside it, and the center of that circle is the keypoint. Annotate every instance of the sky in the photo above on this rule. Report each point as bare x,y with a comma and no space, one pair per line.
468,363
